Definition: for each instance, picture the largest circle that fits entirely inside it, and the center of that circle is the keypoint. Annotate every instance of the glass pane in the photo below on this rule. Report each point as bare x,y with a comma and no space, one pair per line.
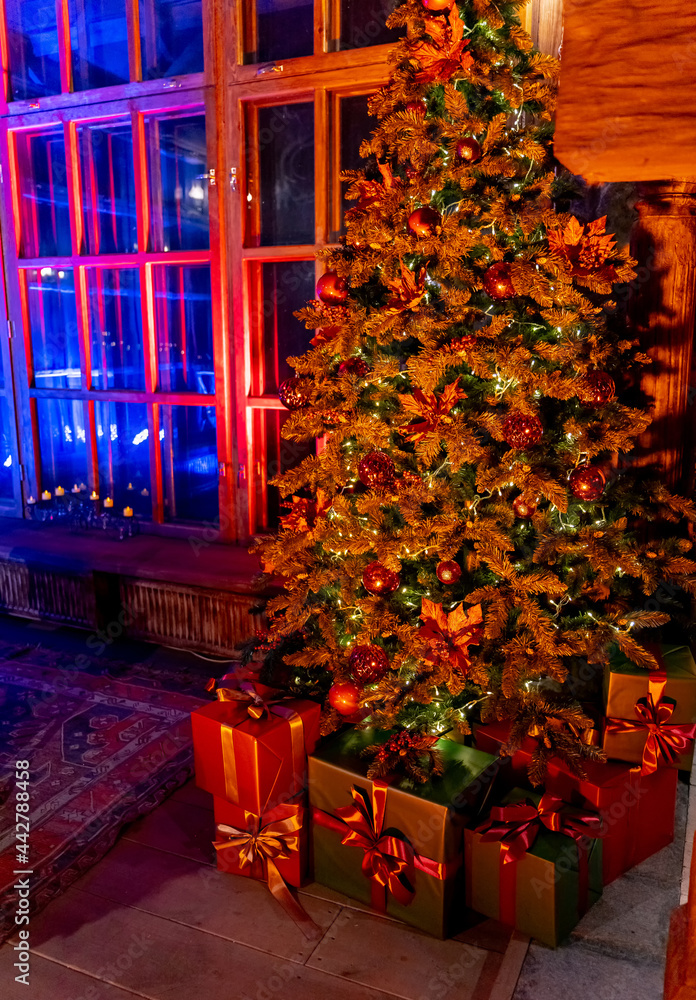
286,166
171,36
99,43
189,463
279,456
356,124
285,29
116,331
53,327
123,455
43,193
108,186
183,319
62,443
363,23
6,451
32,41
178,186
286,287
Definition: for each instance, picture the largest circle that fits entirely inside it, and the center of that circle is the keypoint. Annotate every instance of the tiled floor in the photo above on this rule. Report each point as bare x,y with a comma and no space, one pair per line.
155,919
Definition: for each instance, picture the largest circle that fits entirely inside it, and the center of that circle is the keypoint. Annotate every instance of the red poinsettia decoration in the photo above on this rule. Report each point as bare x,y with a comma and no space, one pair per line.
407,290
442,56
450,635
304,513
585,249
431,410
371,193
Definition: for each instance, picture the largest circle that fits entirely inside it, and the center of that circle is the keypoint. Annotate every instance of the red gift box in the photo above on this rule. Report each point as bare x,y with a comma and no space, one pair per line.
256,763
637,809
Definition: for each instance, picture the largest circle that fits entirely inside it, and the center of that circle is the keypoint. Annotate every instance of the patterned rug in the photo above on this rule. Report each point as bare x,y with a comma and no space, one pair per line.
102,749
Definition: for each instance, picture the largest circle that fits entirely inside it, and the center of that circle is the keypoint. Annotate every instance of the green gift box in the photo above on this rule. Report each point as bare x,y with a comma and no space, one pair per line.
396,845
544,891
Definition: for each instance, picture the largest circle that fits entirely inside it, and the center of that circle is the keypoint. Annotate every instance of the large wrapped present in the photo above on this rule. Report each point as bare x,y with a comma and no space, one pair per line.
535,864
251,745
651,714
272,848
637,809
397,845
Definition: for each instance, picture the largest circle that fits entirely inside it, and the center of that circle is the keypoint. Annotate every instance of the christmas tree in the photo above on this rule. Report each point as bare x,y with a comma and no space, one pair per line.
463,541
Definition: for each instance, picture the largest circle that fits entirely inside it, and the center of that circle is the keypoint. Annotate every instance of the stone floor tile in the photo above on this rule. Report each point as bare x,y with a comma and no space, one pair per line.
50,981
236,908
485,933
163,960
178,828
574,973
339,898
192,795
376,953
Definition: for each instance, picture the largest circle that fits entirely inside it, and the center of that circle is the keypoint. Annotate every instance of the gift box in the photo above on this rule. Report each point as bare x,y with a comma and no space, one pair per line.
523,873
651,715
396,845
637,809
272,848
253,752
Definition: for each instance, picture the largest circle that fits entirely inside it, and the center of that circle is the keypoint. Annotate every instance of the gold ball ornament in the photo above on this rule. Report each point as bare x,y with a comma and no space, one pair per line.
523,507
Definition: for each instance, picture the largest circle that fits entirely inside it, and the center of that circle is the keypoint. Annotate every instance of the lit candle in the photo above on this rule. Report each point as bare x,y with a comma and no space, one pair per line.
108,502
60,492
128,512
75,489
94,495
31,500
130,486
144,493
46,495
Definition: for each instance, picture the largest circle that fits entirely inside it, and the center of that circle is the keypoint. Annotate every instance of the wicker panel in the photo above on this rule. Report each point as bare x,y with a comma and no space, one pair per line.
41,593
212,620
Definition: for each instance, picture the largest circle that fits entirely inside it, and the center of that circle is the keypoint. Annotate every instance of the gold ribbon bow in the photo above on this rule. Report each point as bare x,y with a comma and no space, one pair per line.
266,845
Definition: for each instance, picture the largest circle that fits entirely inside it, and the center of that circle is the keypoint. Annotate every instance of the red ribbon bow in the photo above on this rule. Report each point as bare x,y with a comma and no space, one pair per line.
517,826
388,859
664,741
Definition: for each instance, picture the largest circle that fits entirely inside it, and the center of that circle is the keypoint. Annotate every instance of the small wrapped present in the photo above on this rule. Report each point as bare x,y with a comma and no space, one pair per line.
271,848
637,809
251,745
651,715
397,845
535,864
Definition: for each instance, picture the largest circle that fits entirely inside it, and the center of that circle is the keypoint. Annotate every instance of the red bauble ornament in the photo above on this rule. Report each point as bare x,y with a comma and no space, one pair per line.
417,107
423,222
331,289
464,343
368,663
448,571
596,389
522,430
376,470
497,281
438,6
587,482
344,698
468,150
523,508
378,579
354,366
293,393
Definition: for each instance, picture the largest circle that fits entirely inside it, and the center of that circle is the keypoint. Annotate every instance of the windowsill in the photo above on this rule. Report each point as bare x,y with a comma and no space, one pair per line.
190,562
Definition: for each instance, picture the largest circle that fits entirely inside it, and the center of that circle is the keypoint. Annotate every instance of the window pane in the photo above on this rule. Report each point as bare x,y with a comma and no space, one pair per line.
53,327
6,451
178,187
108,187
116,331
278,455
62,443
43,193
171,36
99,43
123,454
286,287
363,23
189,463
32,39
183,318
285,29
356,124
286,159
